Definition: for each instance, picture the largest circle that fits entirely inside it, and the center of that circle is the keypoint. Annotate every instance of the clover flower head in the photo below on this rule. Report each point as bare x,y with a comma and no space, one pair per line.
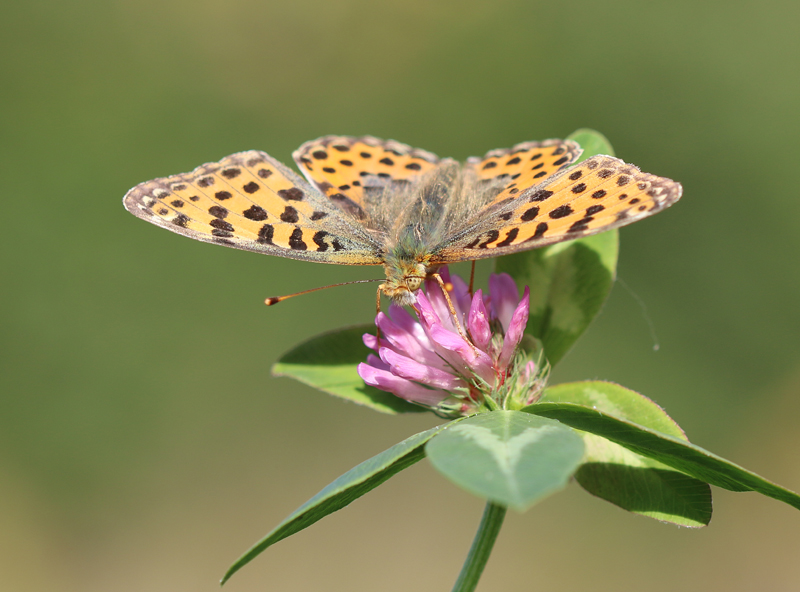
428,361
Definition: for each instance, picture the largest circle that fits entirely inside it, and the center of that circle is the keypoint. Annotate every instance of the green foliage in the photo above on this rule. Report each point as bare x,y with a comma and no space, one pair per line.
350,486
506,458
592,142
674,452
632,481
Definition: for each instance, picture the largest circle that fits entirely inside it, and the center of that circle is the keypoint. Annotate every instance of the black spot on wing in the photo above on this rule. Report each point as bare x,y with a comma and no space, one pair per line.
580,225
181,220
512,234
561,212
265,234
255,213
321,244
218,211
293,193
289,215
541,228
541,195
296,240
221,225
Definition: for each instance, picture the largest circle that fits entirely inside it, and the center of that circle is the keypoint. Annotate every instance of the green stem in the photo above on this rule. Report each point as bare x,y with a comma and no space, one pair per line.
481,548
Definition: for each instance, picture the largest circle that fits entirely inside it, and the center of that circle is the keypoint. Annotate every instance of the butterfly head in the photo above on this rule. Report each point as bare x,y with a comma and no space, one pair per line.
403,278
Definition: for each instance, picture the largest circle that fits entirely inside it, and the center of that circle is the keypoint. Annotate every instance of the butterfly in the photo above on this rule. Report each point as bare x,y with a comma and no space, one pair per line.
367,201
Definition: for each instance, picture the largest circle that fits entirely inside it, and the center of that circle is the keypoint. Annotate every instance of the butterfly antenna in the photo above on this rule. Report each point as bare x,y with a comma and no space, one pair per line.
275,299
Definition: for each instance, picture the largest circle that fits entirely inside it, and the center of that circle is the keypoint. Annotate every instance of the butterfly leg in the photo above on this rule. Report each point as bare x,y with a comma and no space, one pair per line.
450,306
377,312
472,277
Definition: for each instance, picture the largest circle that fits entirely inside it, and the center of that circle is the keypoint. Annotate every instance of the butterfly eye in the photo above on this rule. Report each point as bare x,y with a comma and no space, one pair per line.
413,283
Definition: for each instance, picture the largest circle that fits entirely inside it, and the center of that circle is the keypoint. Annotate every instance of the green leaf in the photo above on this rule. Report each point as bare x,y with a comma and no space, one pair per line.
350,486
505,457
569,281
634,482
330,361
671,451
615,400
592,142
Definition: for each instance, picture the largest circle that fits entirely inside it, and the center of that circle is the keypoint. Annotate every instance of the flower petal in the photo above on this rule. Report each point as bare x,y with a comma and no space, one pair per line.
462,355
403,388
438,303
478,322
376,362
458,292
407,368
370,341
427,315
405,341
504,297
403,319
515,330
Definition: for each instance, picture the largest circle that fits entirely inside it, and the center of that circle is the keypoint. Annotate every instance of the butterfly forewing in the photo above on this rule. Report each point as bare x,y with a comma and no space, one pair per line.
599,194
251,201
345,168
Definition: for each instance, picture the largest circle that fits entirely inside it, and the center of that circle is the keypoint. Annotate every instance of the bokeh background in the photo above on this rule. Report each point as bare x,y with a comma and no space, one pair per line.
144,444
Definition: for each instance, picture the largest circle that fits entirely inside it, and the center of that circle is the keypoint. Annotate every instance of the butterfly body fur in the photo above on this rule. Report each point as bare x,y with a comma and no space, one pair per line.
374,202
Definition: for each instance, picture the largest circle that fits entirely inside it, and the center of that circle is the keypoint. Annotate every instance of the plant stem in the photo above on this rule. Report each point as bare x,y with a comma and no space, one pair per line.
481,548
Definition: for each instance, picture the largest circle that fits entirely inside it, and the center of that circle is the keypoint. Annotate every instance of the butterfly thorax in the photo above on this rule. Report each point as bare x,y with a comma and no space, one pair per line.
417,217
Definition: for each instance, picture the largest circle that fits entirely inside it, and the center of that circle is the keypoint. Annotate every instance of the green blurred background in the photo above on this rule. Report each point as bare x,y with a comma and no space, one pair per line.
143,443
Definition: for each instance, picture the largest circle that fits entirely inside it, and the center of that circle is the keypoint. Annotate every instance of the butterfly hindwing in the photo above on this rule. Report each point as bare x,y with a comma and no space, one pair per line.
523,165
251,201
598,194
345,168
